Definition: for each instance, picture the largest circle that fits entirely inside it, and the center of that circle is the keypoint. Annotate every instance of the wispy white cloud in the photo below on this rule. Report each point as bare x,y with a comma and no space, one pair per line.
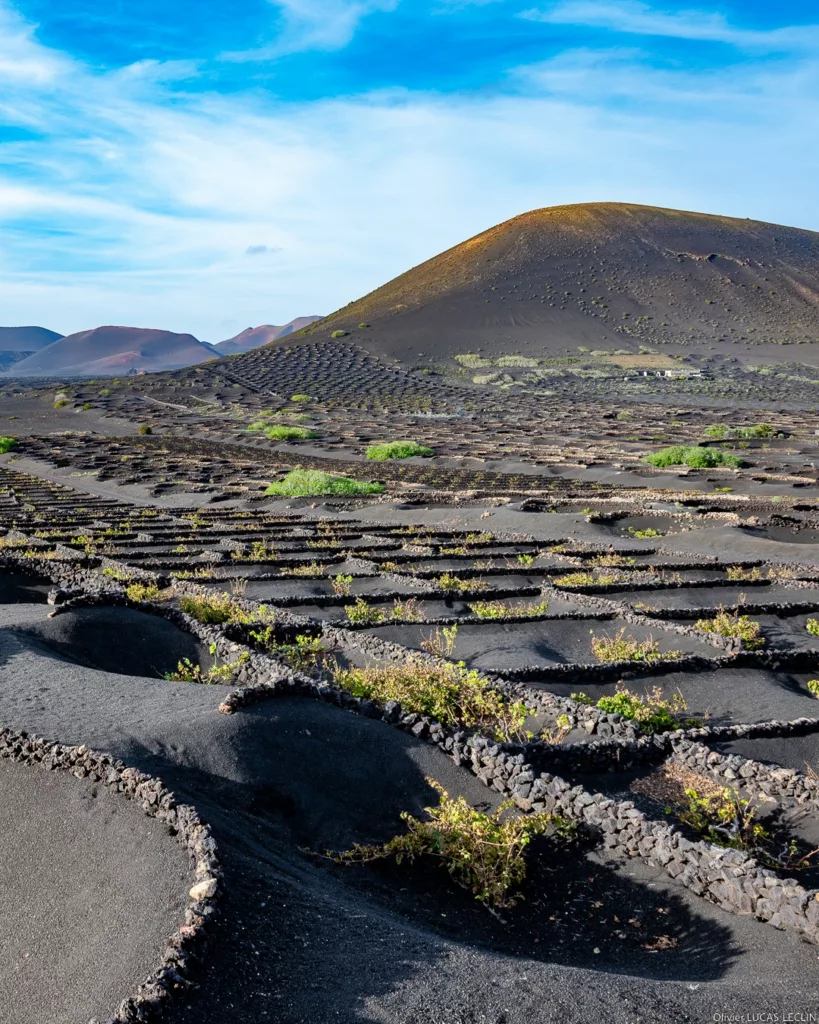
22,59
142,202
637,18
312,25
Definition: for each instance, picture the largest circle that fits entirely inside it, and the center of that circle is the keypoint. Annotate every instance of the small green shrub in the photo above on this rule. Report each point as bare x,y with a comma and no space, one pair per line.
499,610
309,569
441,642
190,672
308,483
452,584
300,397
612,649
647,534
6,444
145,429
214,609
734,625
651,711
452,694
484,853
363,613
738,572
307,651
338,334
397,450
812,626
279,432
612,560
341,584
728,820
584,579
813,686
407,610
60,403
146,592
695,457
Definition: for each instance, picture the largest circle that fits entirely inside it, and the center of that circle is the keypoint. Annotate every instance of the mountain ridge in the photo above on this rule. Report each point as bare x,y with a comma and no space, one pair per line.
254,337
598,274
115,349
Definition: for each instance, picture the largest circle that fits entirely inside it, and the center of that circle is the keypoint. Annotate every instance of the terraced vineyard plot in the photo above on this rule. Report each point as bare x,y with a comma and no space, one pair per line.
528,650
689,601
294,576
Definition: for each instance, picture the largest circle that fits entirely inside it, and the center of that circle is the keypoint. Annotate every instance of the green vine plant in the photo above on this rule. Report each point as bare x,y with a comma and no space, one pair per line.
483,853
449,693
188,671
451,584
726,819
341,584
215,609
307,652
362,613
735,626
653,712
514,610
407,610
612,649
441,643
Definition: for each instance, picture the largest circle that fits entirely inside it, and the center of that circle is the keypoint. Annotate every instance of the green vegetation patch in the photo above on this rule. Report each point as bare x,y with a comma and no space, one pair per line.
484,853
694,456
279,432
722,431
6,444
734,626
620,647
452,694
309,483
397,450
651,711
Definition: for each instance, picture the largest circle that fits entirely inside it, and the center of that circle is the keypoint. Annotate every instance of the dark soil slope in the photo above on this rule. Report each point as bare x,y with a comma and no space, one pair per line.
116,350
600,275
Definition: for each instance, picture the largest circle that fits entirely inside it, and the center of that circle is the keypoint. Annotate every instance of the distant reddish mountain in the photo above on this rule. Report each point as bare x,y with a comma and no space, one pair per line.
115,350
254,337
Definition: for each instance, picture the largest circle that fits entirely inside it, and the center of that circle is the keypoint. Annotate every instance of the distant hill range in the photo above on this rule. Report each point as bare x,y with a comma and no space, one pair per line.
32,351
600,276
115,350
253,337
16,343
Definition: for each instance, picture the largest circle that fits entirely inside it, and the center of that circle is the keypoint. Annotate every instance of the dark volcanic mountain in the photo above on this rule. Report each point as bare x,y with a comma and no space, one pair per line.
601,275
116,350
253,337
26,339
17,343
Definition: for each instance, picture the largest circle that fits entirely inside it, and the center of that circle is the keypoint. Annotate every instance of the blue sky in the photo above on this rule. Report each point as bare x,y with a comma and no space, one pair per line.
205,167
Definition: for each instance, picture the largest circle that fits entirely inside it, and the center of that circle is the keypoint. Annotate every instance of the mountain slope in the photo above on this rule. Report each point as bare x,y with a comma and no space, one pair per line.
600,275
253,337
26,339
116,350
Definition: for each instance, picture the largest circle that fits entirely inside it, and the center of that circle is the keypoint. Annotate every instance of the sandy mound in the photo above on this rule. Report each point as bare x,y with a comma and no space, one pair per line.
91,890
119,640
